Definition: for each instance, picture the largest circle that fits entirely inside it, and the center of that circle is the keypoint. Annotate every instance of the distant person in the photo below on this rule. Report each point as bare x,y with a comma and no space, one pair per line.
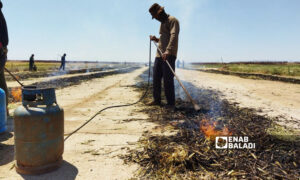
182,64
178,63
32,67
3,52
168,43
63,62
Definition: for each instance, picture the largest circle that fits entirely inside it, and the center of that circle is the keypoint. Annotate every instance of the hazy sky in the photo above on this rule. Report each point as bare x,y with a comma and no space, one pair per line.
120,29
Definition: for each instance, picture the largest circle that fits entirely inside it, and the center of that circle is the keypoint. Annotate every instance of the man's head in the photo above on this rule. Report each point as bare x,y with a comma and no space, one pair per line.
158,12
65,54
1,5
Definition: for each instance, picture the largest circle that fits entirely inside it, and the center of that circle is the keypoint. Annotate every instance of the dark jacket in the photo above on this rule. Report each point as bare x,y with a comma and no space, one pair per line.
3,30
63,59
3,38
31,60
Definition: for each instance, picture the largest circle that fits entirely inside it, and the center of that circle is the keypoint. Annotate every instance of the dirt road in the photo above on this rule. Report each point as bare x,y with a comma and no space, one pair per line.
92,152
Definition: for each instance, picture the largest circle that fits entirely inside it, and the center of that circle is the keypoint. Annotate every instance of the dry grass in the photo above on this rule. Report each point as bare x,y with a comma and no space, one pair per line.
289,69
188,154
15,66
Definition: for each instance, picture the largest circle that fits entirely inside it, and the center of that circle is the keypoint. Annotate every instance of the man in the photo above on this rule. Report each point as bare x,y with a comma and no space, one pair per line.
31,62
3,52
178,63
168,44
63,62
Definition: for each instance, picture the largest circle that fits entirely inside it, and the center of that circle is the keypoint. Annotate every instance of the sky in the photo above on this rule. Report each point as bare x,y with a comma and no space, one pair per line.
118,30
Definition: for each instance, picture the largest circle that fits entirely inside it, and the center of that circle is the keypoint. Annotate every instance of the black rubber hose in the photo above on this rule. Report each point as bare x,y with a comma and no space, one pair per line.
117,106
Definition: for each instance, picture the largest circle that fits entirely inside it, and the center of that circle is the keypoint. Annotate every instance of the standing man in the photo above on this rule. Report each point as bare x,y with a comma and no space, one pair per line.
3,52
31,62
168,44
63,62
178,63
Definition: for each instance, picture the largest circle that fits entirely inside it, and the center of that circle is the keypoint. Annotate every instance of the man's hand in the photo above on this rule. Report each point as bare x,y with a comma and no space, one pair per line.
3,53
1,50
165,56
153,38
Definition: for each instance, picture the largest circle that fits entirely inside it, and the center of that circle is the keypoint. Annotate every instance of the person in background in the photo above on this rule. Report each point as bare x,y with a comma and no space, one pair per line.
3,53
63,62
31,62
168,43
182,62
178,63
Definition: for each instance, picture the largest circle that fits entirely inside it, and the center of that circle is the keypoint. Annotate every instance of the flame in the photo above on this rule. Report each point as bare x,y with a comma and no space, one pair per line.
210,131
17,94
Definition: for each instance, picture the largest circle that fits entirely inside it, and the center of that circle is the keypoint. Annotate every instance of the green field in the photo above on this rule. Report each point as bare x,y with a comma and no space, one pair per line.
288,69
16,66
23,66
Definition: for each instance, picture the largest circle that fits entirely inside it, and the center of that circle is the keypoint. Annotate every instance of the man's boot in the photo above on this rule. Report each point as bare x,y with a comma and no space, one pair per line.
154,103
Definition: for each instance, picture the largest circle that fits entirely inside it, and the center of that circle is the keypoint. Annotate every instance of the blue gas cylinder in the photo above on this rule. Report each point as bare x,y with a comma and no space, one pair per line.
38,132
2,111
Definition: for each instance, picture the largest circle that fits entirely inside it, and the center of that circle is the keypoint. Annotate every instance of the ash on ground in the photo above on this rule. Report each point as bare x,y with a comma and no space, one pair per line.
190,154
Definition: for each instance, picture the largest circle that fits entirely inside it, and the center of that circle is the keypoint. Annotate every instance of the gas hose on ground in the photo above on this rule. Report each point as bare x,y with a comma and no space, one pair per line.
117,106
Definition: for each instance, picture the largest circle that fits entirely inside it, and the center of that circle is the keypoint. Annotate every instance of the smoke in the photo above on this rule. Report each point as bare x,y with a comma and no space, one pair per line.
207,99
81,67
57,73
187,11
179,92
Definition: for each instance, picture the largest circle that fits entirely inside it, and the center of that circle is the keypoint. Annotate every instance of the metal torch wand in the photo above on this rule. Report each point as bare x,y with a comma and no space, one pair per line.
13,76
196,106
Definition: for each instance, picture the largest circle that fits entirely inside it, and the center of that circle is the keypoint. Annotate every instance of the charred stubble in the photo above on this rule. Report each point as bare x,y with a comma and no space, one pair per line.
189,154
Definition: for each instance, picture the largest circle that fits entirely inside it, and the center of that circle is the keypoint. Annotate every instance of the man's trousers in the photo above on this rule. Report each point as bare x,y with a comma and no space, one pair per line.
161,71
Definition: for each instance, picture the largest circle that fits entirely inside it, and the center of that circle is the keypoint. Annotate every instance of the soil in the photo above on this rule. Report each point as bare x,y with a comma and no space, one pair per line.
92,153
271,98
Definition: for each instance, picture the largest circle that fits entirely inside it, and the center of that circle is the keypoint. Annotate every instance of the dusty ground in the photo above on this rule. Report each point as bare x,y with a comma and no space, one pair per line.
271,98
92,152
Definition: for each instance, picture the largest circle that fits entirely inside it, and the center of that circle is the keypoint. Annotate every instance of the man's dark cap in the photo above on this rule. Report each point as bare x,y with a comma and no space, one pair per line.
154,9
1,5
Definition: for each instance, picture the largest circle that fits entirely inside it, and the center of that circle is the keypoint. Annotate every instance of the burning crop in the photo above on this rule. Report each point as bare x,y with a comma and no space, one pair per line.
191,152
16,94
211,129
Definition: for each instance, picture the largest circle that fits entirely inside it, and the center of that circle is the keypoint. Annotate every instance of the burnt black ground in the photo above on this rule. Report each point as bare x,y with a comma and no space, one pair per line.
70,81
189,154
